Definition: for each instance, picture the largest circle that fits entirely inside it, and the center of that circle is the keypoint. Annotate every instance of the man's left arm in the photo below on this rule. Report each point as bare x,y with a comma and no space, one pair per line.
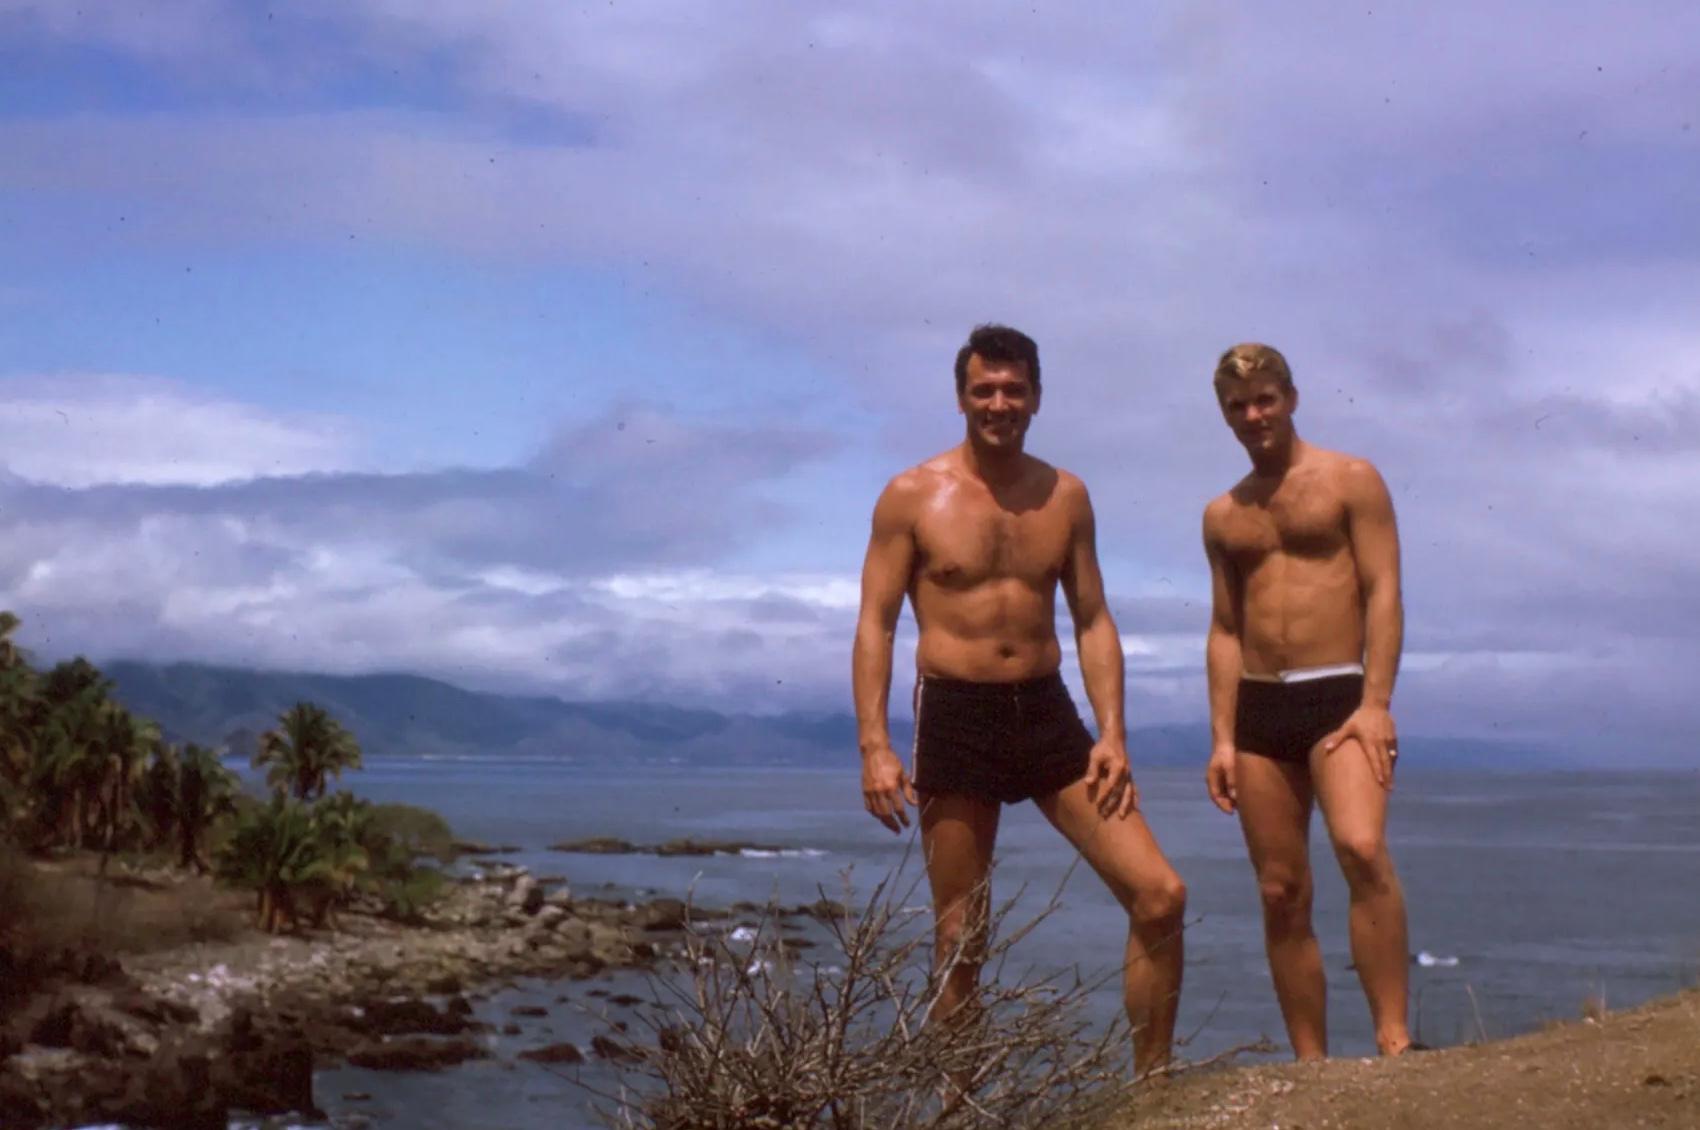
1108,779
1375,549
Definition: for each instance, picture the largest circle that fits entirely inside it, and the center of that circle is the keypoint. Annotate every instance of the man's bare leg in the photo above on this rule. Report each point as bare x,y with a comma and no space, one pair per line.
1274,806
1126,856
957,837
1355,807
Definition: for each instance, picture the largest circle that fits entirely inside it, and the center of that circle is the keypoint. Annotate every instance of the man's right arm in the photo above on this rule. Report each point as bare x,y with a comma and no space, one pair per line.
885,578
1222,664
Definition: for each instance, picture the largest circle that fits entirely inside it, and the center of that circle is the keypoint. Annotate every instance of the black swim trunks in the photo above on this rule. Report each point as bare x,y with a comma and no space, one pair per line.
1285,720
1006,742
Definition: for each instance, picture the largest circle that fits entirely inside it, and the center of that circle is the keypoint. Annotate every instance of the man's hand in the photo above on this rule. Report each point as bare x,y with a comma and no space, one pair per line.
885,787
1219,778
1372,726
1109,783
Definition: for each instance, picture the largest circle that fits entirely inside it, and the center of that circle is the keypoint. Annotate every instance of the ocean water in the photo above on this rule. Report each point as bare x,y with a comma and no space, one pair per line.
1527,894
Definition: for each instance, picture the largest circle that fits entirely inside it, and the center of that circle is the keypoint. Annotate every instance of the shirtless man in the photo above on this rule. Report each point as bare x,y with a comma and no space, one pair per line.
979,537
1303,647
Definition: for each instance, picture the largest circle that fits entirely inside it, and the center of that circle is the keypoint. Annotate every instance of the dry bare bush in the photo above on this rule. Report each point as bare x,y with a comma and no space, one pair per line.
754,1037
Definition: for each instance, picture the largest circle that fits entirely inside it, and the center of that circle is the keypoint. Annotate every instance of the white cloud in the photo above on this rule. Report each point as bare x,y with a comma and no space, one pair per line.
81,430
699,586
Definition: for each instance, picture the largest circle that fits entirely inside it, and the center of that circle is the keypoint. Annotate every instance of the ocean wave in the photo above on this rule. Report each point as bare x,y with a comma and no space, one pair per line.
1431,960
781,853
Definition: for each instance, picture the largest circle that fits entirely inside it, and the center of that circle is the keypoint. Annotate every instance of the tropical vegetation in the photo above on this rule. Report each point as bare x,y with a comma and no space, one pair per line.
78,771
307,749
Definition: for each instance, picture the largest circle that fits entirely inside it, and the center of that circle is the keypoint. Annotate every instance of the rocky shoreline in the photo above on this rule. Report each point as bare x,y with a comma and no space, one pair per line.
186,1036
609,845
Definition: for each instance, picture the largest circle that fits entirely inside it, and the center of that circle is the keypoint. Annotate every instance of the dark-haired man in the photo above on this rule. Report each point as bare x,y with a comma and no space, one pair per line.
978,537
1303,648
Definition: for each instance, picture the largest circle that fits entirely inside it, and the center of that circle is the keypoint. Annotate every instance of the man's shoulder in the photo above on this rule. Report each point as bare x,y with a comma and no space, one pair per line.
1067,481
1351,472
1062,487
915,483
1224,504
1218,515
1329,457
928,473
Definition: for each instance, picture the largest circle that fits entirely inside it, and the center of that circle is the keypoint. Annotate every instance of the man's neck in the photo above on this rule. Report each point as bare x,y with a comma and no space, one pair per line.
1276,462
996,468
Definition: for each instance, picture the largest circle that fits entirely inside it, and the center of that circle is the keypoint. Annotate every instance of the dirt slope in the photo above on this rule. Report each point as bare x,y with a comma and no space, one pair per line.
1631,1069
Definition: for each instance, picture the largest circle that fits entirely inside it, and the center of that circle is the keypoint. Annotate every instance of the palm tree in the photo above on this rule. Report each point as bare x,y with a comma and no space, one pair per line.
18,712
125,741
276,852
307,748
69,768
344,823
205,790
72,679
156,794
9,654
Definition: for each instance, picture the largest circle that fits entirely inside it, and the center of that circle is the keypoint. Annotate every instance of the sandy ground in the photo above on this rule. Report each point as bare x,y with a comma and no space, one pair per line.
1629,1069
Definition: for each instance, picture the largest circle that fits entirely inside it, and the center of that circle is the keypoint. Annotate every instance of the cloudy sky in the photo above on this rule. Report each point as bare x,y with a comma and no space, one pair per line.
565,347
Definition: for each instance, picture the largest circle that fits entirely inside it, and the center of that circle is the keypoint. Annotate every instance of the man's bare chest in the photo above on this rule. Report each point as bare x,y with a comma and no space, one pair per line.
963,546
1296,523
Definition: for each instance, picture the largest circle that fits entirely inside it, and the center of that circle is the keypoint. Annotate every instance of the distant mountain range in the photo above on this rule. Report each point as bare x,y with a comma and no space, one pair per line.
410,714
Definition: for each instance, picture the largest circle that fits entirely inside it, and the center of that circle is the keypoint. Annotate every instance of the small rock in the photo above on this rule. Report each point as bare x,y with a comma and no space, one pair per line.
415,1053
527,895
596,845
664,914
392,1018
824,908
554,1053
473,847
604,1048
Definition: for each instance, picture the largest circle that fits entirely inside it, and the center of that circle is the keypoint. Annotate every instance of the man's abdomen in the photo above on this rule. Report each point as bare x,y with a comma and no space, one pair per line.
999,632
982,661
1301,614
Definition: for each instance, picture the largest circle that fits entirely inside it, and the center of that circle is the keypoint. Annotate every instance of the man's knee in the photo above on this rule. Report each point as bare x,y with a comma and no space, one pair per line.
1365,862
1162,902
960,939
1286,898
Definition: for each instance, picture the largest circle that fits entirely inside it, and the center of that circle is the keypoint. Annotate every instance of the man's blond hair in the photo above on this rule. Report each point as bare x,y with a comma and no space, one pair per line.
1253,359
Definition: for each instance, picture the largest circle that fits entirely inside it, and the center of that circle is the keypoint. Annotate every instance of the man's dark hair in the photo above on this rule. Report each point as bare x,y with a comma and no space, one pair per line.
998,344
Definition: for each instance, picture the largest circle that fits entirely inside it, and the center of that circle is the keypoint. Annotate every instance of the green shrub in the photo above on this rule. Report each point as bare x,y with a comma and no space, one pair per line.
418,833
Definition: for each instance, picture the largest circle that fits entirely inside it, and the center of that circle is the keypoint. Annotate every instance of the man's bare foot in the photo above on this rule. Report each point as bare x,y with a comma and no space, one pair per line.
1408,1045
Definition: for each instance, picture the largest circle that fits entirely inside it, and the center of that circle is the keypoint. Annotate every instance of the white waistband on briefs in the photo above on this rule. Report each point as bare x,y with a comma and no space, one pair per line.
1306,674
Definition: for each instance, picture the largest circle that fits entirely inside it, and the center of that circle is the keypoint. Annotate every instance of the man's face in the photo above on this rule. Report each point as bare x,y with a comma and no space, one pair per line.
999,400
1260,410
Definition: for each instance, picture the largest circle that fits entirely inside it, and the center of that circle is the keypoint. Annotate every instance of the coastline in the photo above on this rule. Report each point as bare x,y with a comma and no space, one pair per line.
190,1034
